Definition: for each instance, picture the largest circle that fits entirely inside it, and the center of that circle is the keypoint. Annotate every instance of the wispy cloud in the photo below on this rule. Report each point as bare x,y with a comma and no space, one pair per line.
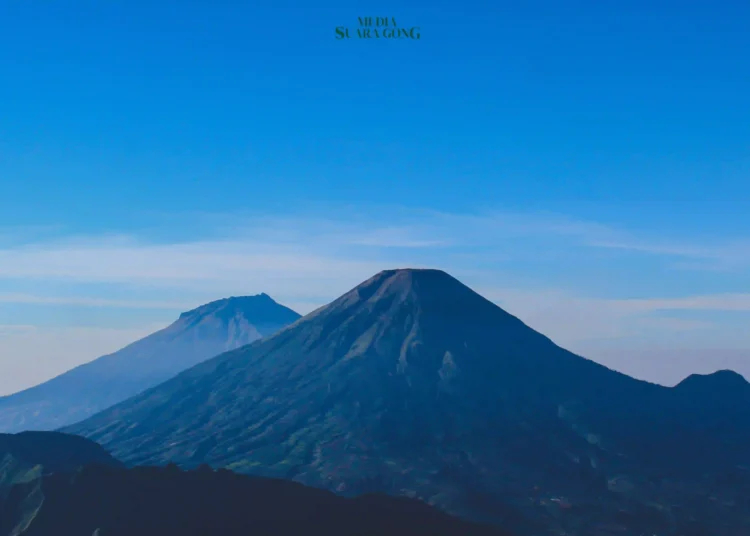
732,255
312,246
716,302
16,329
91,302
116,260
309,259
570,319
304,261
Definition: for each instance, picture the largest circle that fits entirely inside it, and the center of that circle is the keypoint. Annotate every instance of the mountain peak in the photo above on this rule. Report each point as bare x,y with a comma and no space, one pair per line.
213,306
260,307
199,334
422,284
414,271
718,381
414,275
428,293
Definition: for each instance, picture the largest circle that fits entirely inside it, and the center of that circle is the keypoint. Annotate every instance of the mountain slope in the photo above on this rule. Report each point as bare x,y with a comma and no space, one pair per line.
165,501
413,384
197,335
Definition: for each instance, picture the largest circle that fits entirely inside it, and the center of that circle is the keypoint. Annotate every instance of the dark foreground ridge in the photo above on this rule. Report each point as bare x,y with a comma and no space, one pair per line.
54,484
28,458
54,451
148,501
197,335
414,384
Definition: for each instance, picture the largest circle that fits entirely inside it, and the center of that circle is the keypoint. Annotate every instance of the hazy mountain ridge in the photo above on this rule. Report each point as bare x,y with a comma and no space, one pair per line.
197,335
411,383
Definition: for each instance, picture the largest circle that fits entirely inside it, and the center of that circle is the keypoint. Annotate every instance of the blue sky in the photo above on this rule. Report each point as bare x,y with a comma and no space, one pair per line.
587,167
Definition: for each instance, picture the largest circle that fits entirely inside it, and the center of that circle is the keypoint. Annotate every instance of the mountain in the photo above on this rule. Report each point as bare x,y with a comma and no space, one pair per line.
413,384
54,451
26,459
53,483
148,501
720,385
196,336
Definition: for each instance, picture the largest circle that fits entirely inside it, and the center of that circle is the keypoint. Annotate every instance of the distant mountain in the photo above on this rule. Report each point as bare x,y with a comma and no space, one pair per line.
196,336
147,501
413,384
721,385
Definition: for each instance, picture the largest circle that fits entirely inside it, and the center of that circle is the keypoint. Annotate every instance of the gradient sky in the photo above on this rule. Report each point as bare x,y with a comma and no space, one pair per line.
585,166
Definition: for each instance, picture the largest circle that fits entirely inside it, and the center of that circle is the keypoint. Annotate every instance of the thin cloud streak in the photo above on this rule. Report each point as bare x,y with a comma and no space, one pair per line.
306,262
728,256
91,302
318,247
570,319
221,260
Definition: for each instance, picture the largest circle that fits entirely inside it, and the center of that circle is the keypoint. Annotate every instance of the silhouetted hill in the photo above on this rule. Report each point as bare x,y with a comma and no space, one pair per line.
25,459
197,335
149,501
54,451
413,384
720,384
